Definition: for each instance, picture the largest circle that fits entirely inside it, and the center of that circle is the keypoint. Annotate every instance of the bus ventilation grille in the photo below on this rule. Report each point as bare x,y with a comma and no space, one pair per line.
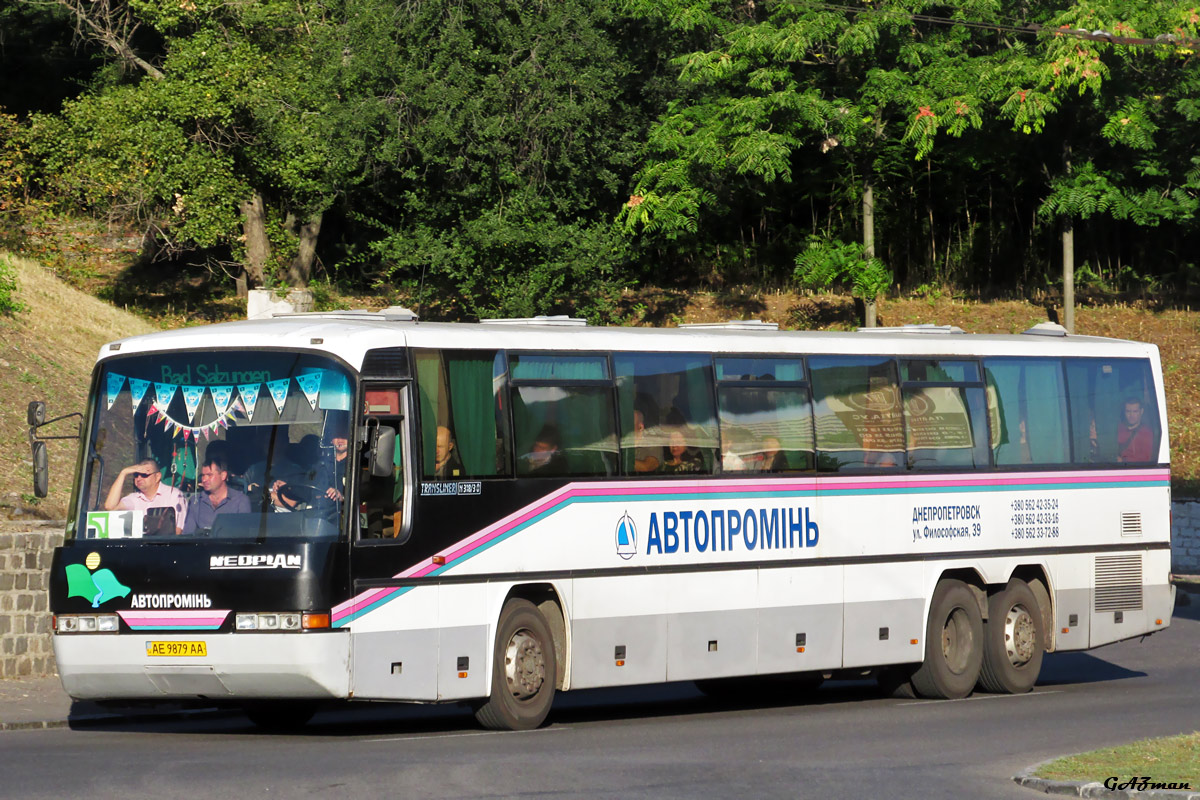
385,363
1118,583
1131,523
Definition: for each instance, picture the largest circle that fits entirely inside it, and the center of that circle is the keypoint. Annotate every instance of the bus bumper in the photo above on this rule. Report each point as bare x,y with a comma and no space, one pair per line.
236,666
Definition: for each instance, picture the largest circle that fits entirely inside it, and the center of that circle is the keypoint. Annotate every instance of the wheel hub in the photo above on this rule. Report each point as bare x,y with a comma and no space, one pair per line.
524,665
1020,635
956,641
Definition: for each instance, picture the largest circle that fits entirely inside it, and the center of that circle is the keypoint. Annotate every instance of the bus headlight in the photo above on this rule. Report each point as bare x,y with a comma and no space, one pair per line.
271,621
86,623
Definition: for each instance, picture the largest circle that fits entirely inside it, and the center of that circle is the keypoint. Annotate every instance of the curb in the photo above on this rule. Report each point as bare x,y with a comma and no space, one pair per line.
1095,789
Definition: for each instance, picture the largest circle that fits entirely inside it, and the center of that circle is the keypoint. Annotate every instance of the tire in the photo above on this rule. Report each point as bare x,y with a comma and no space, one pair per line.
523,671
280,716
1014,641
953,644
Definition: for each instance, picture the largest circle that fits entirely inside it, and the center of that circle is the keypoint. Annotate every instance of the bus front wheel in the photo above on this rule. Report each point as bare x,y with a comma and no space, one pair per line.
1013,641
953,644
523,670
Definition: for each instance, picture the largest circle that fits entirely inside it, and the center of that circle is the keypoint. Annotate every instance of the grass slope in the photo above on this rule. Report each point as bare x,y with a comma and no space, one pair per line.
46,353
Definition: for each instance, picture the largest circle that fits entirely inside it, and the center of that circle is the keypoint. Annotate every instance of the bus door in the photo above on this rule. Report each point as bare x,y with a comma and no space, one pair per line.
379,546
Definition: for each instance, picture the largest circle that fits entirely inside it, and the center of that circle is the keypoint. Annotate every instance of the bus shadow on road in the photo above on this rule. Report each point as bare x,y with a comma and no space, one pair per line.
1078,667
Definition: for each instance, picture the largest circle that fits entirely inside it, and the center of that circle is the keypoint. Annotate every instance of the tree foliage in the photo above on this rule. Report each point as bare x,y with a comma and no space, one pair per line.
499,158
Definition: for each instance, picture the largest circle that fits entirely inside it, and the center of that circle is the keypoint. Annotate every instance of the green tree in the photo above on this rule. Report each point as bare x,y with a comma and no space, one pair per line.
515,129
781,96
782,85
220,128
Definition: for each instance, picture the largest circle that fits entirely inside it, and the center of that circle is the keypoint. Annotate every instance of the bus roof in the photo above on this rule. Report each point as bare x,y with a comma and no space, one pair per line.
350,335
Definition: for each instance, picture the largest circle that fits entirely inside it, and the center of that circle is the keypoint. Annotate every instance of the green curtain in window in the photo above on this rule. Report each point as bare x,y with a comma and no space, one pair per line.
472,405
558,368
429,381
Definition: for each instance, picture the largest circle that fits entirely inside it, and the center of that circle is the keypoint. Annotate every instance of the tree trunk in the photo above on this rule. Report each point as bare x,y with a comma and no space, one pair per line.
258,247
869,314
1068,257
300,271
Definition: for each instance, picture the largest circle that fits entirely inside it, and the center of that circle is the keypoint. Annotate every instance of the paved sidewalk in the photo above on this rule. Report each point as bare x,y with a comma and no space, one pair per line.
42,703
33,703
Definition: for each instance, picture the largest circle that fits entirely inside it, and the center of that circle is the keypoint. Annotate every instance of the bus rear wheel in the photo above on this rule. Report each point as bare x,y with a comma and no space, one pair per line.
953,644
523,670
1014,641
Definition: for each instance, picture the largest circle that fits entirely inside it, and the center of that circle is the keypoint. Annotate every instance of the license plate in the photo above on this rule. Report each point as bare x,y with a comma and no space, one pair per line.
176,649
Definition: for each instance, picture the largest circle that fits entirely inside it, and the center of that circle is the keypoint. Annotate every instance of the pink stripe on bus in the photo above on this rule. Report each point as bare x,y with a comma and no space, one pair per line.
775,486
159,618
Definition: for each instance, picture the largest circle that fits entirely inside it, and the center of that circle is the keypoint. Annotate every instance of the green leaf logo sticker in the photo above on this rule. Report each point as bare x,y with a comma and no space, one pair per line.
96,586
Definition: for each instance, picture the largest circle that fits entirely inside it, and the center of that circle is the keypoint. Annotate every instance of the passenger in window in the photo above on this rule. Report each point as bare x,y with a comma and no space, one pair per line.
645,457
733,445
771,458
545,459
679,457
1135,440
341,452
216,498
150,492
447,464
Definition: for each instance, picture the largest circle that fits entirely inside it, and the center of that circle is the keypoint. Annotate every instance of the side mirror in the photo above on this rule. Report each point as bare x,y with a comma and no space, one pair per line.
41,468
383,453
36,413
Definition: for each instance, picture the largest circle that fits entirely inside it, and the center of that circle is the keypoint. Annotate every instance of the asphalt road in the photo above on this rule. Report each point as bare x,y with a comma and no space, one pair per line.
659,742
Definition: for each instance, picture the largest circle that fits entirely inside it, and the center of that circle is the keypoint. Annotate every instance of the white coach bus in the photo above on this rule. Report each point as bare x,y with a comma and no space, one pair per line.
364,506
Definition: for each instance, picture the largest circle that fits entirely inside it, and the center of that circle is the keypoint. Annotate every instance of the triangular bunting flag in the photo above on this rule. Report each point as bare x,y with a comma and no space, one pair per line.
164,393
221,396
249,394
115,383
137,390
192,395
310,384
279,390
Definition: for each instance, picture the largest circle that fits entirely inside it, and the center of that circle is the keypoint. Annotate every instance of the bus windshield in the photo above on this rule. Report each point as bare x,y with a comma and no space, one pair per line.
217,444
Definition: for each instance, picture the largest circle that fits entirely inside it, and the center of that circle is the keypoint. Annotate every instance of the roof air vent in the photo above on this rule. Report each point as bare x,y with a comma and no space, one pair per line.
399,314
924,327
559,321
734,325
1047,329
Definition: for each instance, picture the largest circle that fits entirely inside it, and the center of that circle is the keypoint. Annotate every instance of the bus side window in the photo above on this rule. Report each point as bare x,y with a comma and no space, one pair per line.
765,413
1027,408
945,414
856,405
563,415
673,395
1114,411
464,429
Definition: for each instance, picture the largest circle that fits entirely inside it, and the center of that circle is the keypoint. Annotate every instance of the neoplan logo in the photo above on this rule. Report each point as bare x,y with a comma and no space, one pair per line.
258,561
